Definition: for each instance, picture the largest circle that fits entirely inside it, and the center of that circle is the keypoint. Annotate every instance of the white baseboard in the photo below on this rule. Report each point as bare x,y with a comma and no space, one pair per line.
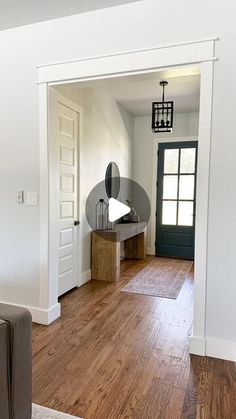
222,349
214,348
197,345
47,316
40,315
151,251
86,277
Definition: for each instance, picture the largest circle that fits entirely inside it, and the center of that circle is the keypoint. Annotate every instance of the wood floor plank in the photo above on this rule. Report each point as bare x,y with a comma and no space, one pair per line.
114,355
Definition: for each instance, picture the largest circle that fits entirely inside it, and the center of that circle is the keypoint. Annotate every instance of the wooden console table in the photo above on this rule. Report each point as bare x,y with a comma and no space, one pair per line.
106,249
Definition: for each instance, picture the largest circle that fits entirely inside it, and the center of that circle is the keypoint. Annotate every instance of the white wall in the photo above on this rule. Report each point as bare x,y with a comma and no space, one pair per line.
109,31
143,172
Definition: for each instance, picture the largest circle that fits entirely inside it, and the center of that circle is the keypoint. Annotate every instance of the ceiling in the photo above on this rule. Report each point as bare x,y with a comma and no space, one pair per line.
136,93
23,12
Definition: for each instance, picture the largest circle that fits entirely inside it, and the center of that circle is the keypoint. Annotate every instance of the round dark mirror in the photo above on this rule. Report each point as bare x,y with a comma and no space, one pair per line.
112,180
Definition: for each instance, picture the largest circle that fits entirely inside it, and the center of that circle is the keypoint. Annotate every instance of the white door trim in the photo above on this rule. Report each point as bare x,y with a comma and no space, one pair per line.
129,63
133,62
202,206
176,44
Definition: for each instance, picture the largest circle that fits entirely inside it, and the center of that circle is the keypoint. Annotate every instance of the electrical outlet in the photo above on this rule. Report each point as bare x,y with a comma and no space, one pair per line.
32,198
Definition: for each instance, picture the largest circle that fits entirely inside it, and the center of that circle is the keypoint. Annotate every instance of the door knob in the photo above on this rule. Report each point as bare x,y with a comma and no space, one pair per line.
76,223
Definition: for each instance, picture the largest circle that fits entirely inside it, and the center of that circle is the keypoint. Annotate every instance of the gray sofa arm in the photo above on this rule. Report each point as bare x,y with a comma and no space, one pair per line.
15,362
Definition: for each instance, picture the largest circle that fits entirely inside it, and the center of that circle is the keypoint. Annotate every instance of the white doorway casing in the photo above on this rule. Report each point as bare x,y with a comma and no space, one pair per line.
123,64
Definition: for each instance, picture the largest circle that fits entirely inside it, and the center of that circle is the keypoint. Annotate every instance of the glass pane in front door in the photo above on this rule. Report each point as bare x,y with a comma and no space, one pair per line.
185,213
177,163
171,161
187,160
186,187
170,187
169,212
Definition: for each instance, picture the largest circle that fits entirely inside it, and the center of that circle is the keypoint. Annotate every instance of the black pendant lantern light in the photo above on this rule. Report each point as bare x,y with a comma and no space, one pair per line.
162,113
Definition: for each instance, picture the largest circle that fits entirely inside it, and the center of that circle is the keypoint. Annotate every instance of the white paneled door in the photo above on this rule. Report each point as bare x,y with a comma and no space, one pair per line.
68,198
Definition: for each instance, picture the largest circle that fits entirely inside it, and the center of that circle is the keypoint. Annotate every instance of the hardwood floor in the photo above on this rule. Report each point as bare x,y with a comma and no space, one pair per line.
117,355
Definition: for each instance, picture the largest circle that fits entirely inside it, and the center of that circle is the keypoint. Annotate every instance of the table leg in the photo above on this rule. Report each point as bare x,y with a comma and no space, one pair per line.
105,258
135,247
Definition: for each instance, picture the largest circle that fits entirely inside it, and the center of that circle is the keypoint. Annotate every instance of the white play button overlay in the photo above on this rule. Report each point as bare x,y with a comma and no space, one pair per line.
116,210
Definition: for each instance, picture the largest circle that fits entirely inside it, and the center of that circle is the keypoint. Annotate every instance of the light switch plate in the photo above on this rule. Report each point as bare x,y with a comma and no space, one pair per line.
32,198
20,196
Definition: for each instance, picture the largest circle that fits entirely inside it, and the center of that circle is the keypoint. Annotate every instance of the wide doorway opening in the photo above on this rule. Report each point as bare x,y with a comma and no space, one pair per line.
94,123
73,73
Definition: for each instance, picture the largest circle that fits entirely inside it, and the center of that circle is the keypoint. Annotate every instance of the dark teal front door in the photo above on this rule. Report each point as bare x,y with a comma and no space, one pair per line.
176,192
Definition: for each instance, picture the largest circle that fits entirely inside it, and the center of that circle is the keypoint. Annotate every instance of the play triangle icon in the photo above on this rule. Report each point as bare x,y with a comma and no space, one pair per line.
116,210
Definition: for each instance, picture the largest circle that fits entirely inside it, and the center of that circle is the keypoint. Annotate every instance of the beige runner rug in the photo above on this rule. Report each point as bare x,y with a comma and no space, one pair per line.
162,277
